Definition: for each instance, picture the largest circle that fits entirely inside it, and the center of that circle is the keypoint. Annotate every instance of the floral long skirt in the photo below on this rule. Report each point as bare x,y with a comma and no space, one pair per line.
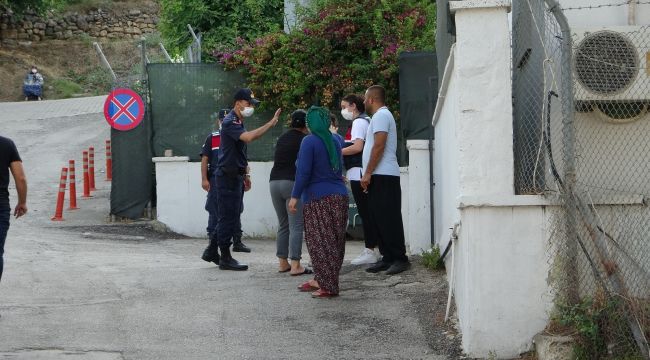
325,225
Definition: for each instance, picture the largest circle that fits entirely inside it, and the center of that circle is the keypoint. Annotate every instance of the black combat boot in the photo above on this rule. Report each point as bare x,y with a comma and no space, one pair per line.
228,263
211,253
238,246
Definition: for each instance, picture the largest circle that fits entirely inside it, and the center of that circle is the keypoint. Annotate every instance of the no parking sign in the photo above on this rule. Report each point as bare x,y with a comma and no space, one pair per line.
123,109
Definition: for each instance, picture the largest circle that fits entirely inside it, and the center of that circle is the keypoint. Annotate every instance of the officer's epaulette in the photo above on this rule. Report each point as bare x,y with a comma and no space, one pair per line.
231,119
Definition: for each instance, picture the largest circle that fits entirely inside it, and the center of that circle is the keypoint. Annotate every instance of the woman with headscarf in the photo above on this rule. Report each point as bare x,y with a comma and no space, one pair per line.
320,185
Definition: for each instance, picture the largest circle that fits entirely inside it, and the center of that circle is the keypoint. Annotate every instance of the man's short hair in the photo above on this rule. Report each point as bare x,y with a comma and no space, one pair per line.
377,92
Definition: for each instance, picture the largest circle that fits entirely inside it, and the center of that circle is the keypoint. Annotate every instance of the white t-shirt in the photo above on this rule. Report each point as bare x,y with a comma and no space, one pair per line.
359,131
382,121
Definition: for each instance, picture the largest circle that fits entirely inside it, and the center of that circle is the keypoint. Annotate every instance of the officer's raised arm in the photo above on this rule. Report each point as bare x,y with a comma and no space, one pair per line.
250,136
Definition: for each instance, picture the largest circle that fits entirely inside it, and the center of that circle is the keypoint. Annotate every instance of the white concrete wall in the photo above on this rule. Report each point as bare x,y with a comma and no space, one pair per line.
445,173
181,199
404,184
500,255
485,104
176,202
501,263
502,296
418,232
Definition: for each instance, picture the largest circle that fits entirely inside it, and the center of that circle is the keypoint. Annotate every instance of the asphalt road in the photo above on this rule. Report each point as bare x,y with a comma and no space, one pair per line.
85,289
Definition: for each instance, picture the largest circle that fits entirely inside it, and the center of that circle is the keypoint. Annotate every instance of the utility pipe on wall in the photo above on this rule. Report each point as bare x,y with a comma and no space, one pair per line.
631,12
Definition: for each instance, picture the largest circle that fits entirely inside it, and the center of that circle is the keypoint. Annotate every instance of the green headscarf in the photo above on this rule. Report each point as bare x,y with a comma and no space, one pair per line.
318,121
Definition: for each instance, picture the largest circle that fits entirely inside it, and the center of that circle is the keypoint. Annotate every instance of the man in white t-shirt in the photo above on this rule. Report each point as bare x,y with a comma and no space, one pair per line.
352,109
381,181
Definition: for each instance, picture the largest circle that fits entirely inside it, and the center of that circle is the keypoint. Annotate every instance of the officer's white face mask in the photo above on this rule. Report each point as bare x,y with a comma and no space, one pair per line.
248,111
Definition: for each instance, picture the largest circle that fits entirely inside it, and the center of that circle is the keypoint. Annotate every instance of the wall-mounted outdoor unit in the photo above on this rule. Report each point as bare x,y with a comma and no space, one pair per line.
611,71
610,63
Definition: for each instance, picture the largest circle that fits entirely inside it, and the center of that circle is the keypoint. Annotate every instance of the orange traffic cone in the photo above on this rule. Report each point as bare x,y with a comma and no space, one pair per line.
109,161
91,167
86,193
58,215
73,187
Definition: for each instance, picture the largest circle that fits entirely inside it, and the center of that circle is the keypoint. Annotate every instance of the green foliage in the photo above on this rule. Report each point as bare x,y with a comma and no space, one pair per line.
63,89
342,47
221,22
153,39
431,259
598,323
86,39
96,78
83,6
21,6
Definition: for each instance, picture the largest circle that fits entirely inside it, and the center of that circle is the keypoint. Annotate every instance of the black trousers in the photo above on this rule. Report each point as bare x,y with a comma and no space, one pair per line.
229,207
5,214
385,213
361,199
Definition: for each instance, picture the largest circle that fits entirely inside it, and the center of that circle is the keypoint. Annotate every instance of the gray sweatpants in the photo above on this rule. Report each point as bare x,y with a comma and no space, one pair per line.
290,226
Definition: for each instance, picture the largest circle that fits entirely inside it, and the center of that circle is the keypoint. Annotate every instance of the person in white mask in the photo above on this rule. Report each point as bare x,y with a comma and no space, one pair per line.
232,177
352,109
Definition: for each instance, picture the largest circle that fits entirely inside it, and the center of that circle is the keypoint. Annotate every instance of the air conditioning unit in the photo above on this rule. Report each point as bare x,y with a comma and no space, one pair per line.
610,64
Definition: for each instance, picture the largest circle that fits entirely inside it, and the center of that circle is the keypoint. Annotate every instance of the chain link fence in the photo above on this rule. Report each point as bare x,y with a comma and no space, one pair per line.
581,138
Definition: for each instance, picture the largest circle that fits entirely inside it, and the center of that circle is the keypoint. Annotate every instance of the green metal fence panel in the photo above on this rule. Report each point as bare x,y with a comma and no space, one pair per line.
185,99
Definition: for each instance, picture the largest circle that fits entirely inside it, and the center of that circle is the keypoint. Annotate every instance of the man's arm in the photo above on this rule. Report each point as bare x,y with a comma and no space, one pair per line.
355,148
18,173
376,153
205,182
250,136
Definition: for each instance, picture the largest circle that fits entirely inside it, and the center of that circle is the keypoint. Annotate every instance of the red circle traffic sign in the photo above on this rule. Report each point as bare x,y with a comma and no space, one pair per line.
123,109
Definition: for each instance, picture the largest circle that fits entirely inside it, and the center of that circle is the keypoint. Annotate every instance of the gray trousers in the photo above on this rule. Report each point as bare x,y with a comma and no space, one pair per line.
290,226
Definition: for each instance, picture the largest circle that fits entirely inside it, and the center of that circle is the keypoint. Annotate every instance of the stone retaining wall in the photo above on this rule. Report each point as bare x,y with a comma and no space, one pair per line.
95,23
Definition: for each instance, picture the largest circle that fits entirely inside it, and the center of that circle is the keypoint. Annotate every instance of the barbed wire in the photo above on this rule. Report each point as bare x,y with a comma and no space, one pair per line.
591,7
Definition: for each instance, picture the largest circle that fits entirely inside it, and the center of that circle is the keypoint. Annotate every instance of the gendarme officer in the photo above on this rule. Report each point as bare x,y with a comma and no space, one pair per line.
231,171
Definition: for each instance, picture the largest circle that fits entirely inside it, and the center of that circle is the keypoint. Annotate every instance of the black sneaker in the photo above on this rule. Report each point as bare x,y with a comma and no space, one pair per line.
380,265
397,267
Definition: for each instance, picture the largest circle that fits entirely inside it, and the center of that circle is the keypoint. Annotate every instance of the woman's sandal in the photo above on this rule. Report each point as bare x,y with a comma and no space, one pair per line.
307,287
322,294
